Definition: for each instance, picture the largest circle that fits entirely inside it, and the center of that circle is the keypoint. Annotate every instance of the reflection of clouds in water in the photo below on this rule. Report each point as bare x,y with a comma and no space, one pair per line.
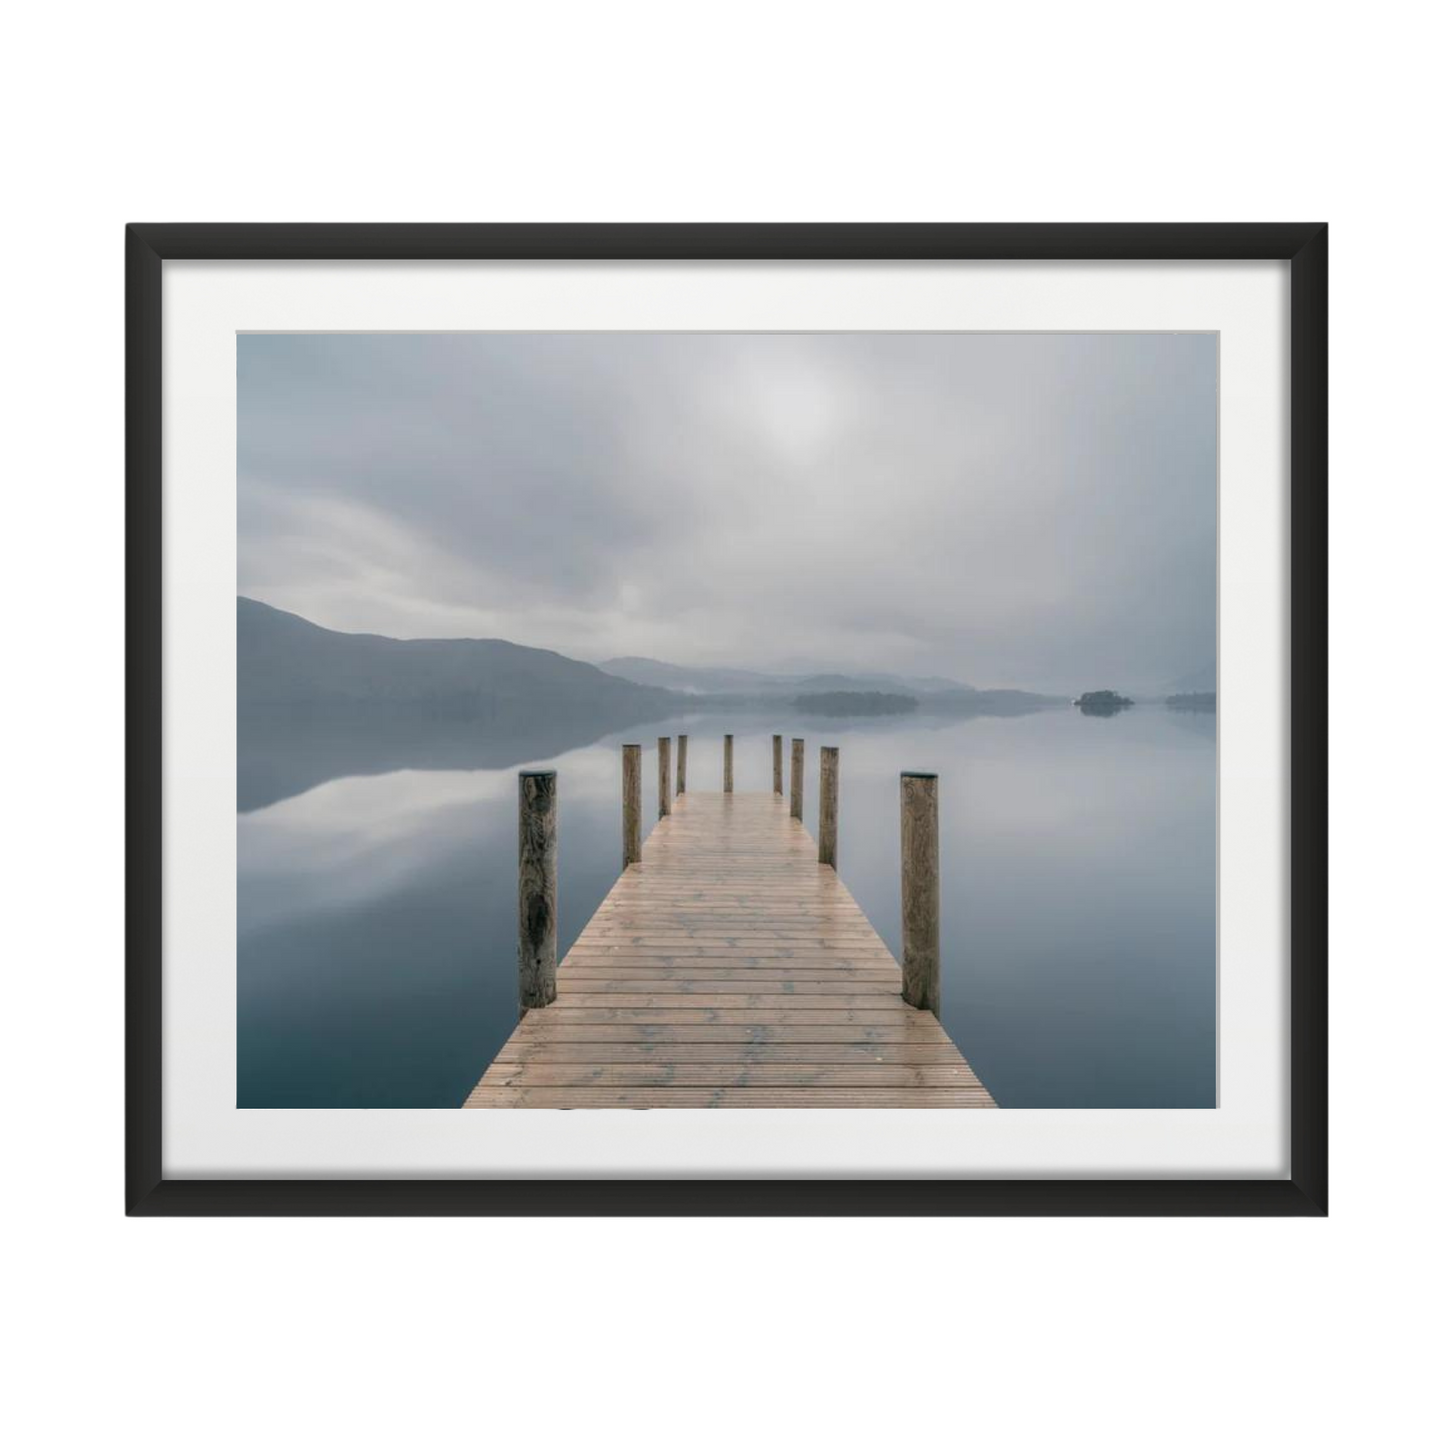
1201,724
1107,790
378,913
354,839
391,805
1038,783
357,838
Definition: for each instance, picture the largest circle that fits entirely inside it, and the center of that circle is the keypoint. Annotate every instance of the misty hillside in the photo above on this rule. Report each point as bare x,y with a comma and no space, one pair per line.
855,704
878,682
991,702
284,661
730,680
649,672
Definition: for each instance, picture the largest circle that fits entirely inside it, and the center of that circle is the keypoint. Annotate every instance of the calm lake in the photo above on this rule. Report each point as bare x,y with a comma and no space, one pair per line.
377,914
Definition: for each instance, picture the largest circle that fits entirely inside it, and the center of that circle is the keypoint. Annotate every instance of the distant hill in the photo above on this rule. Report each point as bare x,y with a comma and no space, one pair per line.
990,702
313,704
284,661
648,672
1192,701
855,704
878,682
715,681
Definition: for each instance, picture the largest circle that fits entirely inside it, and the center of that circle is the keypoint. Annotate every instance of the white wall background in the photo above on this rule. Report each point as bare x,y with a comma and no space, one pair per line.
660,1330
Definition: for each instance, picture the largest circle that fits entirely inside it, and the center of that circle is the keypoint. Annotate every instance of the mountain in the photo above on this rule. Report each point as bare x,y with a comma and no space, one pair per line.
732,680
649,672
313,704
990,702
283,659
855,704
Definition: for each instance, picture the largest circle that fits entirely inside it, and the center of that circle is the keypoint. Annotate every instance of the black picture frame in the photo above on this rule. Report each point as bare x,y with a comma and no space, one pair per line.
1304,246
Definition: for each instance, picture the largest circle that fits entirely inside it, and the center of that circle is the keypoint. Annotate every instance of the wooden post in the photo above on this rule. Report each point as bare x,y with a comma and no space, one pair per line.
536,890
778,764
796,803
919,799
664,778
631,804
681,764
828,806
727,762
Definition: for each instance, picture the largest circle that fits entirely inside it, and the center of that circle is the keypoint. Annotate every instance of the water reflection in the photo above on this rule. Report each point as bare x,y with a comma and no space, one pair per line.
284,750
377,913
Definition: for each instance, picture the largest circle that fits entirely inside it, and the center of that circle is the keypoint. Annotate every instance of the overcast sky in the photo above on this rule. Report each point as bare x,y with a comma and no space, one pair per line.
1034,511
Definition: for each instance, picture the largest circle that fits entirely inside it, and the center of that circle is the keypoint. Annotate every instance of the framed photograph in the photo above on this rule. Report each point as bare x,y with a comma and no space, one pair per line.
726,719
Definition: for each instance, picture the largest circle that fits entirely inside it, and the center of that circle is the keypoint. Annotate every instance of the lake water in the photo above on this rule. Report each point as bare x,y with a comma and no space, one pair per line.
377,914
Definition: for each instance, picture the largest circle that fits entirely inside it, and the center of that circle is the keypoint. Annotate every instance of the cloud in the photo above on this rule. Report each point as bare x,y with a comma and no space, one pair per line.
1031,510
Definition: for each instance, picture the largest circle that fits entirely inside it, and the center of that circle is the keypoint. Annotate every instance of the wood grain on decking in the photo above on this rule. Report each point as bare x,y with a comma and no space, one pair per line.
729,969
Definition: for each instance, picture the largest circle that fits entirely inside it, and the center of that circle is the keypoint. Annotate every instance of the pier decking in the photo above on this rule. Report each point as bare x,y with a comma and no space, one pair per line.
729,969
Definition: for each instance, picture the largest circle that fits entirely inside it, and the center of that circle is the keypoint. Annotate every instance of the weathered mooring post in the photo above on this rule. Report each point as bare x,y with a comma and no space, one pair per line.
727,762
631,803
681,764
778,764
664,777
919,811
536,890
796,802
828,806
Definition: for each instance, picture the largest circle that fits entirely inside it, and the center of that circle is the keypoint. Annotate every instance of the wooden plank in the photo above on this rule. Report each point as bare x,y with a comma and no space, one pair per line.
716,985
731,1075
547,1050
755,974
588,1003
739,1033
822,1012
486,1096
723,955
781,968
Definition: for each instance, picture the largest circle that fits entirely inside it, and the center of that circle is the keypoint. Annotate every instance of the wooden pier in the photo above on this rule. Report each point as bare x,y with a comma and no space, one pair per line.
728,968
